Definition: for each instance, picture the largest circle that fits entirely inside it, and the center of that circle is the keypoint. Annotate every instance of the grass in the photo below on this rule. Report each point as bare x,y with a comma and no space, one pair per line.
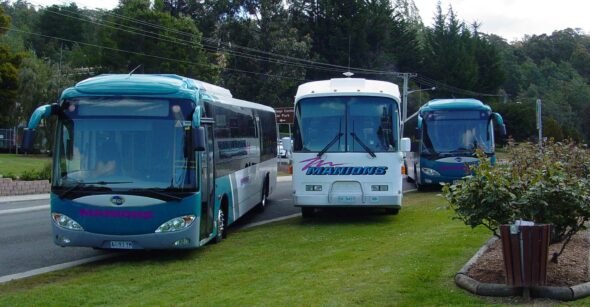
331,260
17,164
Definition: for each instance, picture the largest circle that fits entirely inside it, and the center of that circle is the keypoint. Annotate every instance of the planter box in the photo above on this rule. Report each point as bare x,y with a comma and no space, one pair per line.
525,250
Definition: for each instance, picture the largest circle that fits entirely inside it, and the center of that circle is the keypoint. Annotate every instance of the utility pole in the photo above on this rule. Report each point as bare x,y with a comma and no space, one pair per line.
406,77
540,123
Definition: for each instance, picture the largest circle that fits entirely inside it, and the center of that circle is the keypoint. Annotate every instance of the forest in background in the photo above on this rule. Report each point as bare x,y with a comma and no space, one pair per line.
263,49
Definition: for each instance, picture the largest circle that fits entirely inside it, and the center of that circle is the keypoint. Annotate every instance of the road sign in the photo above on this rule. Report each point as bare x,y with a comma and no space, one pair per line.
285,115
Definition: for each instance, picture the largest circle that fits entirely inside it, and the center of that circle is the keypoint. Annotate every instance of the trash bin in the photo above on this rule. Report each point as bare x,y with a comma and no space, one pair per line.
525,248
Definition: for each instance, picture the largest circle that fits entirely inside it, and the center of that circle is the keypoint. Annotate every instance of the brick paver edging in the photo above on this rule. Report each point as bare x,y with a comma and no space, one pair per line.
488,289
9,187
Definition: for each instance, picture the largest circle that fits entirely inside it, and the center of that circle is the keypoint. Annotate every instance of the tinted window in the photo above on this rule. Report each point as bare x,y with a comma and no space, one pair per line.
349,123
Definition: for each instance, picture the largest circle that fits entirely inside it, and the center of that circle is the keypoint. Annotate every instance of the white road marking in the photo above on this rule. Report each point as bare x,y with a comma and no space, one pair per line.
21,210
57,267
272,220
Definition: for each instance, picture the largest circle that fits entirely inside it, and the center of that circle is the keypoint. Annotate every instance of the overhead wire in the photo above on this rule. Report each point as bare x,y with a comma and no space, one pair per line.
141,54
214,45
279,59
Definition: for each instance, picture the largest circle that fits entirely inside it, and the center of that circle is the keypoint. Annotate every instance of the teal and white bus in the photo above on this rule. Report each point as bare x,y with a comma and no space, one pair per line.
449,132
155,161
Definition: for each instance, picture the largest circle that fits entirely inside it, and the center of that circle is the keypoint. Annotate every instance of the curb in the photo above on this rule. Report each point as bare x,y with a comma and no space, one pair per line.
501,290
284,178
8,199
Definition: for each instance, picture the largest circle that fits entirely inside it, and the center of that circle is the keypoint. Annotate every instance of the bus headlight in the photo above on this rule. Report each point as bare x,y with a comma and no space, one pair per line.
176,224
64,221
379,187
430,172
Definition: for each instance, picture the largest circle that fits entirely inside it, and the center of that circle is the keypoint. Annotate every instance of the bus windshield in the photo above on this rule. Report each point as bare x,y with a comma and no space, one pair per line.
125,144
457,132
346,124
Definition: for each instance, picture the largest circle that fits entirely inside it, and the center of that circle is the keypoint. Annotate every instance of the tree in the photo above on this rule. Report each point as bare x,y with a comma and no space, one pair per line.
156,40
249,76
9,63
59,21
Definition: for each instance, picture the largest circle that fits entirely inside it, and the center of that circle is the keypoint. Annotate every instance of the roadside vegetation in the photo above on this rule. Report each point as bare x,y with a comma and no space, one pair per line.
30,167
334,259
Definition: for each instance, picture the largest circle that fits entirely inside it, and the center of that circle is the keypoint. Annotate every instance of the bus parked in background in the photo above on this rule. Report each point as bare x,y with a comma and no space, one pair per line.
449,132
155,161
347,149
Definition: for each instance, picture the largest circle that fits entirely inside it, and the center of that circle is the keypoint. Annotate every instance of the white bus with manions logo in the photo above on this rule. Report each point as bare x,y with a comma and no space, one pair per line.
347,149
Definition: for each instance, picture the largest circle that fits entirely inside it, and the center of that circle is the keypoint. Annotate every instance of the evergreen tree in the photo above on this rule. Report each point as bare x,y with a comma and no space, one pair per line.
9,64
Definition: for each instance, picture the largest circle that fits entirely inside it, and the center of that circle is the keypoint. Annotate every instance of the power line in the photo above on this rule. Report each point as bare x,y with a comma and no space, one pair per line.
144,54
213,45
280,59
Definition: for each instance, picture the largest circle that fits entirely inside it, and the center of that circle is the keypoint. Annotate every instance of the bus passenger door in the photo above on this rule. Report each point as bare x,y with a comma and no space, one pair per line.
207,184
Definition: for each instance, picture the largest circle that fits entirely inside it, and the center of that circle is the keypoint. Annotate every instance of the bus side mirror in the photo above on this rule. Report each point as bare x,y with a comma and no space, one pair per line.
199,139
28,139
500,122
405,144
419,126
502,129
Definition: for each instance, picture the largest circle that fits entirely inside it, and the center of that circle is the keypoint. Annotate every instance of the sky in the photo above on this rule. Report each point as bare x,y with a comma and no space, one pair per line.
511,19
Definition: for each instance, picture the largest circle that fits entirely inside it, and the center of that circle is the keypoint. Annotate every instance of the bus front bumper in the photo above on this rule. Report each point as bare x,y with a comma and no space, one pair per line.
183,239
392,201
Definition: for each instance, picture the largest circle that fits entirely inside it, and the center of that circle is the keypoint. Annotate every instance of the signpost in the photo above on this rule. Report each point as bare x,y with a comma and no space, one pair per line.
285,115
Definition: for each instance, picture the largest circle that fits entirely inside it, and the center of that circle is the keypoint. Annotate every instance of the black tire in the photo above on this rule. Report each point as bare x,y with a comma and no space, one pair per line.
307,212
221,227
419,187
392,211
264,201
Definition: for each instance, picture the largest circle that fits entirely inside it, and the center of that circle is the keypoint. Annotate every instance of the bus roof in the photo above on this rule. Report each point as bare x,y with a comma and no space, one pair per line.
347,87
455,104
168,85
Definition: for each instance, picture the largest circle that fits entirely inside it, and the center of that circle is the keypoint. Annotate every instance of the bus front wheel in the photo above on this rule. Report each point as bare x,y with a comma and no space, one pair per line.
220,227
307,211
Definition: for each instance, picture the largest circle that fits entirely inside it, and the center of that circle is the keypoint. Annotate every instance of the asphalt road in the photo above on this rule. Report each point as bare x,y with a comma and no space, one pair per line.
25,232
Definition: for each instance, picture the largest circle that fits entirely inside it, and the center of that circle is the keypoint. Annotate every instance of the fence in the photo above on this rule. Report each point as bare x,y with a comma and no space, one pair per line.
8,140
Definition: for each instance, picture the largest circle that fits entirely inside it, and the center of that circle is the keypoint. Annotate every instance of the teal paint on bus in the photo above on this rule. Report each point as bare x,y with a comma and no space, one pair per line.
134,216
432,165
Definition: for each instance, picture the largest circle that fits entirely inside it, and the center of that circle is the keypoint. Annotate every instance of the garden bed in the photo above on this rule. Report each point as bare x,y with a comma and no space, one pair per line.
571,270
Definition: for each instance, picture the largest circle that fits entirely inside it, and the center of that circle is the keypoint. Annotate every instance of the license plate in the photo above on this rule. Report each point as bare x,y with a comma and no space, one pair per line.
346,199
122,244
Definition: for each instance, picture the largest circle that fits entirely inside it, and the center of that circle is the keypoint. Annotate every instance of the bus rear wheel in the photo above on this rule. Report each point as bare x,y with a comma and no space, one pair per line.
264,200
220,224
307,212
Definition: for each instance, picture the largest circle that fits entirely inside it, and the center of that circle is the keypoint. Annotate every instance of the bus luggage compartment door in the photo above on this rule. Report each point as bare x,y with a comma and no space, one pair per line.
346,193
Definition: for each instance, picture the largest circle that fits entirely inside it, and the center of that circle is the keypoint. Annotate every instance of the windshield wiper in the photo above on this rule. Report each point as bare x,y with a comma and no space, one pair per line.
158,191
82,184
365,147
336,138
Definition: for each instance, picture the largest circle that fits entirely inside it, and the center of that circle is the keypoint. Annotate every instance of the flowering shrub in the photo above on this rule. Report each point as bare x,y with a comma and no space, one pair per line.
548,186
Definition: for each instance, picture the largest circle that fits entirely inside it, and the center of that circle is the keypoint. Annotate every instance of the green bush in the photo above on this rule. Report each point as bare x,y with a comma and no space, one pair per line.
42,174
548,186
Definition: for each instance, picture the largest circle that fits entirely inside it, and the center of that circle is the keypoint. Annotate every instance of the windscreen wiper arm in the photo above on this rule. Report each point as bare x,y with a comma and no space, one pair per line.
82,184
159,192
365,147
336,138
